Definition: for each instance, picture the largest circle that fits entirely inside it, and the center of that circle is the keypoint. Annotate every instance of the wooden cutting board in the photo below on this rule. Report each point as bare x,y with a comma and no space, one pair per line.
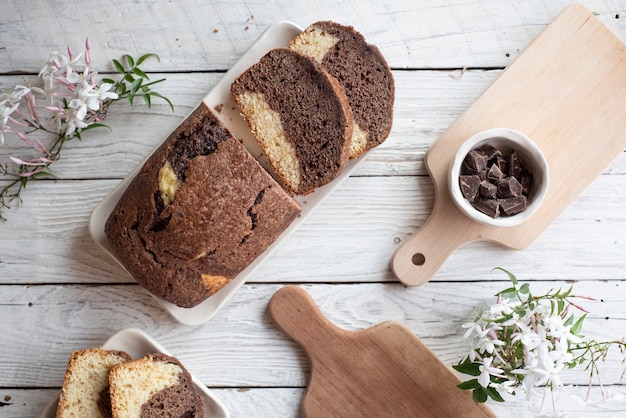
566,91
382,371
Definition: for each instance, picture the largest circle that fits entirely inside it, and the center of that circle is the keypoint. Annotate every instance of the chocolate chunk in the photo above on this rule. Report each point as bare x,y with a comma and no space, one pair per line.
502,164
495,173
490,151
513,205
488,189
469,186
489,207
526,180
509,187
494,182
515,166
475,162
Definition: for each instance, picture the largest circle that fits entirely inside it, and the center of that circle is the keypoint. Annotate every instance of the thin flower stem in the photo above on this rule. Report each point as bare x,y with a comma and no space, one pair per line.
81,104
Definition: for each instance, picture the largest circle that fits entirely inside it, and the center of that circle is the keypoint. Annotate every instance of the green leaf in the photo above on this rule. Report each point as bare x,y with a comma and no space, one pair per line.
511,292
146,98
578,325
140,73
493,394
525,288
108,80
569,320
154,93
134,86
512,277
121,88
479,395
144,57
129,60
118,66
96,125
131,97
470,384
467,367
129,78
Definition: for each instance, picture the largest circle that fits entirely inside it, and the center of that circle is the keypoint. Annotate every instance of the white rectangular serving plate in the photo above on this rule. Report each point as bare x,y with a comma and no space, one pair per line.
277,35
137,344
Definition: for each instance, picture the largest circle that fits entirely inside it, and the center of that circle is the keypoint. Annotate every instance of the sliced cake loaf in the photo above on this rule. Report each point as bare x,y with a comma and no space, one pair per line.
85,391
363,73
300,116
156,385
199,212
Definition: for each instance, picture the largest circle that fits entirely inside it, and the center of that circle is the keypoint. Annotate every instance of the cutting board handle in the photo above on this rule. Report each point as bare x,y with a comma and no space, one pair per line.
294,311
418,258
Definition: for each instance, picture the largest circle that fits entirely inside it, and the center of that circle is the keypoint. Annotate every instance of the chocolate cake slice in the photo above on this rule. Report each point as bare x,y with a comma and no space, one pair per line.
156,385
199,212
85,391
300,116
363,73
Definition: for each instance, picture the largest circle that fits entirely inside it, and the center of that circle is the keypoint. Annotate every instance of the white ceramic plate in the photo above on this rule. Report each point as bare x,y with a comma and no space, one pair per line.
277,35
137,344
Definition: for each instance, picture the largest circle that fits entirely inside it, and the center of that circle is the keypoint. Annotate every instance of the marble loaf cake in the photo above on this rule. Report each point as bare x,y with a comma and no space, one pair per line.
362,72
300,116
199,212
85,391
156,385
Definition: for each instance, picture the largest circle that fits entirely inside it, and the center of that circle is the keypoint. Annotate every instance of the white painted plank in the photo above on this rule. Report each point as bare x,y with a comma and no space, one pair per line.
350,237
196,35
427,102
240,347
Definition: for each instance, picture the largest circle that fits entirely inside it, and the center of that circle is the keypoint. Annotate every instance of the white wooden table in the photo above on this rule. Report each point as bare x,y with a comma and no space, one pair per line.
59,291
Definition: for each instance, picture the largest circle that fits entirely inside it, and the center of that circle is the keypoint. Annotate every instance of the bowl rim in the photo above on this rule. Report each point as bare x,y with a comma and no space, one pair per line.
530,153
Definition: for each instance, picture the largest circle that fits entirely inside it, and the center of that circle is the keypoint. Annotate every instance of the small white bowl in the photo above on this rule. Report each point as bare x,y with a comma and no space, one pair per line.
505,140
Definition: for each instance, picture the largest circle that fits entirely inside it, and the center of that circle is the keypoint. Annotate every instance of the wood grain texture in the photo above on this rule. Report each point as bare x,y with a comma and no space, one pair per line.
384,370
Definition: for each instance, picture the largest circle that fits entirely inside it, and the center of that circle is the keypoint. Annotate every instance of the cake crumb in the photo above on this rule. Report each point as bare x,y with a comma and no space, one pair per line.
216,30
219,107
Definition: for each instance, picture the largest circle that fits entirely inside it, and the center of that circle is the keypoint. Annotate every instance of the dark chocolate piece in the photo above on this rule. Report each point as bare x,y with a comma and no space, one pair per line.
495,173
489,207
513,205
488,189
500,177
515,166
509,187
502,164
475,162
469,186
490,151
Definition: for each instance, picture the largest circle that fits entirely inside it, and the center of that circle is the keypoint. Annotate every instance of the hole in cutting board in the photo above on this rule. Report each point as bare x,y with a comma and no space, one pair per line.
418,259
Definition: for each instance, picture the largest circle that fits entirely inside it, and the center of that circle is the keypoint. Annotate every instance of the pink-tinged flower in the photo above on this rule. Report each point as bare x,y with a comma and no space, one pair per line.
74,121
85,98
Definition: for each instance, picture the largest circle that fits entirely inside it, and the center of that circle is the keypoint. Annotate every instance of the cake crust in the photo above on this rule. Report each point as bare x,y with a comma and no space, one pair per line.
85,390
200,210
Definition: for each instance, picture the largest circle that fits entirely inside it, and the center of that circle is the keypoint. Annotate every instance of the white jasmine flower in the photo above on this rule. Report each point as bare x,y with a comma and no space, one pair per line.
472,328
104,93
74,121
486,371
